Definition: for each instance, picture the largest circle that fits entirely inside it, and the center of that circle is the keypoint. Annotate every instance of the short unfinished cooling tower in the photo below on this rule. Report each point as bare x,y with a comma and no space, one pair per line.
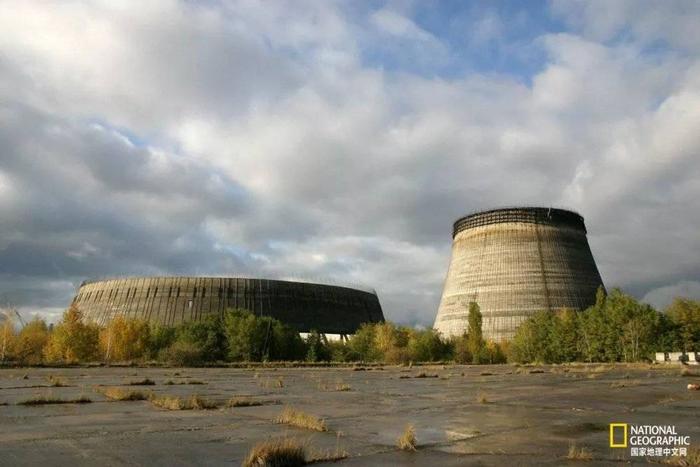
515,262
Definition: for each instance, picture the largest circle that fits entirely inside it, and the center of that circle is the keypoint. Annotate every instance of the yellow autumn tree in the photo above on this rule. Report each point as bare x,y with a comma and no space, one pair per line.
124,339
8,339
30,342
72,340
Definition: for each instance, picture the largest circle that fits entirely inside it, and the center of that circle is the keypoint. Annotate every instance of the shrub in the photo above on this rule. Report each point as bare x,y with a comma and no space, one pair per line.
182,353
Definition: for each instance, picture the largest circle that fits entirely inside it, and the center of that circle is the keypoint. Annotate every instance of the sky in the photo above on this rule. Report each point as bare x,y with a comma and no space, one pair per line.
339,140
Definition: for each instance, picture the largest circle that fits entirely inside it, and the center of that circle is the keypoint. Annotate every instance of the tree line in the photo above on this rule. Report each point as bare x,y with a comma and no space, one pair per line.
617,328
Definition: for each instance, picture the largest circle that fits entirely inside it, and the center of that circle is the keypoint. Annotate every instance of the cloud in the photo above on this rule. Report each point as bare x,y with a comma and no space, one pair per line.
321,140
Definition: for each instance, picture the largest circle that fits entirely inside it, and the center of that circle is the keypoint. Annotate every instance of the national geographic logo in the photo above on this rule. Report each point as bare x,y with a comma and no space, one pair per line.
618,435
649,440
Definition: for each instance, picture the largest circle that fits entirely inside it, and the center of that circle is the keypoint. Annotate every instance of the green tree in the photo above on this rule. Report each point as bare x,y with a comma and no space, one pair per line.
317,347
427,346
563,337
461,352
362,345
531,342
685,314
475,337
206,335
160,338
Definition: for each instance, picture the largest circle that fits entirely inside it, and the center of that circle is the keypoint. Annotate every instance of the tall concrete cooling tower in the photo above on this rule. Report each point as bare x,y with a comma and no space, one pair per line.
515,262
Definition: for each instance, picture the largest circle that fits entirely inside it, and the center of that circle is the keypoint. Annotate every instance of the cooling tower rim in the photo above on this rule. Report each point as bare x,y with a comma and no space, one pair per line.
290,280
524,214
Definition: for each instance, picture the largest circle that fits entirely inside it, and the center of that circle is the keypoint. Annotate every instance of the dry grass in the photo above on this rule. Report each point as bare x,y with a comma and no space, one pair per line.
481,398
194,402
689,372
268,383
624,384
276,452
579,454
121,394
170,382
57,382
423,374
407,441
142,382
294,417
242,402
339,386
47,399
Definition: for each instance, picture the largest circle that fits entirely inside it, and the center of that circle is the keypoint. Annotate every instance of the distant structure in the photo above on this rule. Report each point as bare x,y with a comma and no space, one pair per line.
515,262
170,301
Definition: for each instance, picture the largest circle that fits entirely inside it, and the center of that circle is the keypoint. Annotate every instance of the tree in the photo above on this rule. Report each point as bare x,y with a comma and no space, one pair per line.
73,340
427,346
207,335
685,314
563,337
362,345
531,342
31,341
461,349
474,334
317,347
253,338
125,339
8,337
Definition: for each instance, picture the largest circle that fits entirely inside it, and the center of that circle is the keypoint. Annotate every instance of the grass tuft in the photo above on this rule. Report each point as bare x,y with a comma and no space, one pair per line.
481,398
579,454
194,402
294,417
276,452
242,402
45,400
57,382
423,374
407,441
142,382
121,394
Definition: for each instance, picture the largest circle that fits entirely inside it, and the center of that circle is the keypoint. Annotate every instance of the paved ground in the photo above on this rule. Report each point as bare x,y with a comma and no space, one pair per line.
485,415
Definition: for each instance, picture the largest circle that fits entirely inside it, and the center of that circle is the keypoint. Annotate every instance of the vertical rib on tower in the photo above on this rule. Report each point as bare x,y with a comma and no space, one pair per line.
515,262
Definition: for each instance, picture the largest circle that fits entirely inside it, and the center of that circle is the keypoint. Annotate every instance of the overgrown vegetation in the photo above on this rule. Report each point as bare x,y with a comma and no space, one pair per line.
617,328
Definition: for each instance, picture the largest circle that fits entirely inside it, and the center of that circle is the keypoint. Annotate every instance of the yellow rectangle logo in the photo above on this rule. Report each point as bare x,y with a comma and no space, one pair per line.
619,428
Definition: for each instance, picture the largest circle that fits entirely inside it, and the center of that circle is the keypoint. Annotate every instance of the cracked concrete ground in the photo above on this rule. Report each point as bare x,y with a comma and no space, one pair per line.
467,415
